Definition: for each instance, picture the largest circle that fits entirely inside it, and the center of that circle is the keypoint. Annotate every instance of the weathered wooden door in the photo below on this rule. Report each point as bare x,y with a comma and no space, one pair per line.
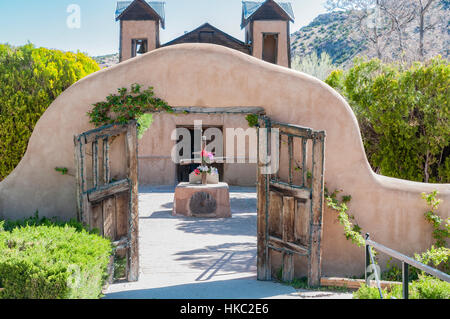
290,199
104,203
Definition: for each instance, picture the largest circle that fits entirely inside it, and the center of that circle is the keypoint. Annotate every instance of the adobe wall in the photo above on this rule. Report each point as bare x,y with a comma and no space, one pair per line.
205,75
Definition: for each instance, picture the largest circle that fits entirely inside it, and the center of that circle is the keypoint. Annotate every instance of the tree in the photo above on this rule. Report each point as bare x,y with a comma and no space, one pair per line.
369,21
397,29
30,80
424,7
315,66
400,13
404,116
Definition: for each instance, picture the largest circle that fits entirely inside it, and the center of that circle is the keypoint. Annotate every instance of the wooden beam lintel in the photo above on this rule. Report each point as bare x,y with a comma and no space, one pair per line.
104,191
279,244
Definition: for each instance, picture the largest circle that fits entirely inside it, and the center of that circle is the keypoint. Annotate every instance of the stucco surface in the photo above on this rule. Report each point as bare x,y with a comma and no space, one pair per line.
205,75
131,29
156,145
271,26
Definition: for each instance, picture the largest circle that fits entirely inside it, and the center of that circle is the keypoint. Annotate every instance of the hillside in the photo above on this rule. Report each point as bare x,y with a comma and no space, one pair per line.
105,61
331,33
336,33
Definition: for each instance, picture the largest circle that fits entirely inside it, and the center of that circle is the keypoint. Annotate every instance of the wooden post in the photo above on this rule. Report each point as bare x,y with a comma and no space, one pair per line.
78,176
291,159
315,261
95,164
263,266
106,164
304,164
133,231
81,180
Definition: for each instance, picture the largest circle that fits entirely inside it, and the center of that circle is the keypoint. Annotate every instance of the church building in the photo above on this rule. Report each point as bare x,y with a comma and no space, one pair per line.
266,24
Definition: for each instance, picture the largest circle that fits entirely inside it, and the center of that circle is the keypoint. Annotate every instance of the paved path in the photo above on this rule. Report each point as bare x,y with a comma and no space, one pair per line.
187,258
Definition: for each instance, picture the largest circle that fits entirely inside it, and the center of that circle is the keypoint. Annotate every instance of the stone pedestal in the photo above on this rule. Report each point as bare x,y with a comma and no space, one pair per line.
196,200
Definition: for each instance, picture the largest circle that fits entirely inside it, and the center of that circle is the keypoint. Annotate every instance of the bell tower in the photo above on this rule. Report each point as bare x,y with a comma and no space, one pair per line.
267,30
140,23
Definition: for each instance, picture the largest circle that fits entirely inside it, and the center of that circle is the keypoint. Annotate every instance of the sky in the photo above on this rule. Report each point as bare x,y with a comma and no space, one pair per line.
44,22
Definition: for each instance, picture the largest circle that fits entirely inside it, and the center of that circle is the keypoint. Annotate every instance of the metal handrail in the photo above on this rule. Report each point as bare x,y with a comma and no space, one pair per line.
406,261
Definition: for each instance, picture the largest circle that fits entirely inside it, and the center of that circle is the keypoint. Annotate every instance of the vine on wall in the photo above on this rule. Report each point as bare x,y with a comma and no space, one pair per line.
351,231
441,230
128,105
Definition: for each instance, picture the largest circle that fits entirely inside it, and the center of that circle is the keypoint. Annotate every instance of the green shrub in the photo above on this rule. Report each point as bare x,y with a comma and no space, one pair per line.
404,116
30,80
426,287
366,292
52,262
436,258
9,225
319,67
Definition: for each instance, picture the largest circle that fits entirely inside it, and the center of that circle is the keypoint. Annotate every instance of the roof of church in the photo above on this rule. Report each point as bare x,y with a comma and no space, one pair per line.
158,6
216,36
250,7
203,26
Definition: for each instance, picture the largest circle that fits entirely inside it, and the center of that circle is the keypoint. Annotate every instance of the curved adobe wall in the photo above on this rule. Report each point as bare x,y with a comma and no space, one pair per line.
214,76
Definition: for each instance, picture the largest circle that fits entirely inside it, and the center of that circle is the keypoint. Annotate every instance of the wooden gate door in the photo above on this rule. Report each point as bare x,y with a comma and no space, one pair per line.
109,205
290,199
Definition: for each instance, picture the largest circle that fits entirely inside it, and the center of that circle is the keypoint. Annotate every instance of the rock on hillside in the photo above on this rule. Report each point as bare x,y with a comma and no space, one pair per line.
105,61
336,33
331,33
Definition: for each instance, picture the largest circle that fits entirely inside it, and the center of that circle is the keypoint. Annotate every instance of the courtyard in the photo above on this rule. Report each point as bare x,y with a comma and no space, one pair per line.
201,258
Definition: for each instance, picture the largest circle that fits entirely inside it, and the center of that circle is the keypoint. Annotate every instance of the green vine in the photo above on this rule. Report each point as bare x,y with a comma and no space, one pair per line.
351,231
62,170
128,105
440,234
252,120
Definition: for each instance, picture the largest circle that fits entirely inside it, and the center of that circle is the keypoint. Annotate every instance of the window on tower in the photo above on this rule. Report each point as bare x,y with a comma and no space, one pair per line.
270,47
138,47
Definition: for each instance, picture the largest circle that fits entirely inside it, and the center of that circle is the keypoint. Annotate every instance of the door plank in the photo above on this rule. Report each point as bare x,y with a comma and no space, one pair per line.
275,214
288,267
302,220
288,218
96,220
109,217
122,205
